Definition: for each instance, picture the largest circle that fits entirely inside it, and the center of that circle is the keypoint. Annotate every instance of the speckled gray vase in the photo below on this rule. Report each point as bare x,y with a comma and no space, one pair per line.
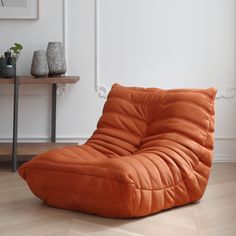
39,66
56,58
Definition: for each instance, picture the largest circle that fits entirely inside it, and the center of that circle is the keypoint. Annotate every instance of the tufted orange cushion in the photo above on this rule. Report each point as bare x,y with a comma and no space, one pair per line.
152,150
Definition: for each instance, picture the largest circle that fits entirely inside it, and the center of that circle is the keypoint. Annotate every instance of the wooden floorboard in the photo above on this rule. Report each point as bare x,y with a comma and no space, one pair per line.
21,213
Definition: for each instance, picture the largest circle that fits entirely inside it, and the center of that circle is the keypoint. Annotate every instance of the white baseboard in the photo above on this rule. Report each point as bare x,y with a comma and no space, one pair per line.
41,139
224,158
81,139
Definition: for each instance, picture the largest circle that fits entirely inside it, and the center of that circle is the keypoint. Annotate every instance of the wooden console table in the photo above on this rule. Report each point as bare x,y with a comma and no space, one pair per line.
14,149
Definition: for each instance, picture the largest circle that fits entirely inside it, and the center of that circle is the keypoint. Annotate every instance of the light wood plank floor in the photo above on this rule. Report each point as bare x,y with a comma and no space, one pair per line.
23,214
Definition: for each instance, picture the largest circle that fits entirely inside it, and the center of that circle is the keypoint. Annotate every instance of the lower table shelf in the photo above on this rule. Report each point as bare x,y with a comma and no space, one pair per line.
13,151
30,149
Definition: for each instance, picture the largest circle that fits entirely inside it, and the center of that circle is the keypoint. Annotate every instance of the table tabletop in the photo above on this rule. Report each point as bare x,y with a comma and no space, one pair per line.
41,80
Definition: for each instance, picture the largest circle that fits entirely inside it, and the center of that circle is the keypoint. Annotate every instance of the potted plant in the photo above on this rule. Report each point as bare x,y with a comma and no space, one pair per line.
9,60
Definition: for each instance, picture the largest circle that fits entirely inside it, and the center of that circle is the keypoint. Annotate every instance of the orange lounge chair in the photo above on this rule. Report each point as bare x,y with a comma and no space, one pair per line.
152,150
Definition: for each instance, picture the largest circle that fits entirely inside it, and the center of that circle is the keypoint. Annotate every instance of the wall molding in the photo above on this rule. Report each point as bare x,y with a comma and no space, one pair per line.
102,90
27,95
8,138
225,138
80,139
83,138
230,92
62,88
99,87
44,138
224,158
65,31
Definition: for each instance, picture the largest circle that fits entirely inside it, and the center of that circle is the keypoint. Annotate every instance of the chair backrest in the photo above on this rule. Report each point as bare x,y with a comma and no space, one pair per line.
143,119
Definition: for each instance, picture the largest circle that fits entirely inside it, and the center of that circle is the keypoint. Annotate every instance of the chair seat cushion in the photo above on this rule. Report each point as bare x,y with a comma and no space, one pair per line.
152,150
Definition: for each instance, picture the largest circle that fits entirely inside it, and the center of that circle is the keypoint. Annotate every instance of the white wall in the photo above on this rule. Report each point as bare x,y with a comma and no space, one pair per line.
162,43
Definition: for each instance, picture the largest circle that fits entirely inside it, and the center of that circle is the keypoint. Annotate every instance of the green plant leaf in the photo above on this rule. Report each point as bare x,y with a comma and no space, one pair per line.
14,49
19,46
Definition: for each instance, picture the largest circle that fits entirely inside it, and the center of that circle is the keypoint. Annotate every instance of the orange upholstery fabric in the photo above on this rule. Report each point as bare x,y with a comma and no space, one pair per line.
152,150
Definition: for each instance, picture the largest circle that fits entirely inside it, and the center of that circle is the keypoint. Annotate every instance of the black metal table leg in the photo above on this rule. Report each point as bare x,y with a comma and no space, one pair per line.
15,125
54,109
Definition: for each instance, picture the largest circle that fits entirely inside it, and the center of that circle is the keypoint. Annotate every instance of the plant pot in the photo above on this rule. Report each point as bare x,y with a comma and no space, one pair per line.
7,70
1,64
